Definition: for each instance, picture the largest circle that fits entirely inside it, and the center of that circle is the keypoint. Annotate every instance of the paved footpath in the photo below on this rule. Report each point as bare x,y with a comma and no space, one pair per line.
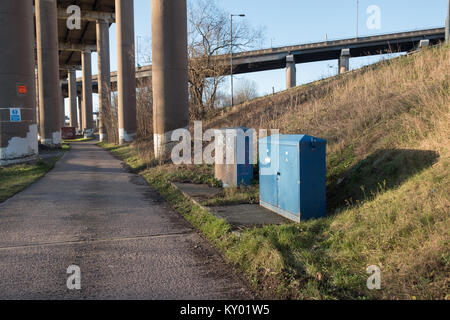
128,242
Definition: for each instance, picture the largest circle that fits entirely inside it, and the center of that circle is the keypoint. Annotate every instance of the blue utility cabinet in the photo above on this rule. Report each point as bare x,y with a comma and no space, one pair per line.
292,176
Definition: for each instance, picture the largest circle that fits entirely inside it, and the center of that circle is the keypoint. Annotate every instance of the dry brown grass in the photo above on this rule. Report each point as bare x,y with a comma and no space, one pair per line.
371,108
398,110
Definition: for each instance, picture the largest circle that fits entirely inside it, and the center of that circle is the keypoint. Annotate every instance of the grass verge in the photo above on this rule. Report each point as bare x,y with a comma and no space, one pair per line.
14,179
79,140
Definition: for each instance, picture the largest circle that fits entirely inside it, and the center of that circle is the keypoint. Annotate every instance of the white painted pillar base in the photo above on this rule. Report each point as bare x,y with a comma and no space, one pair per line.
56,140
125,137
21,150
163,144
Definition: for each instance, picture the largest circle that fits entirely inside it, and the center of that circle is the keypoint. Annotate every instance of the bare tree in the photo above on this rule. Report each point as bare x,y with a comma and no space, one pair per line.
246,90
209,36
144,109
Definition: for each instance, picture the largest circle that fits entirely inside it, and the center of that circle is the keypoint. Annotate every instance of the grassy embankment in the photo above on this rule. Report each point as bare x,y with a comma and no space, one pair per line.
388,182
14,179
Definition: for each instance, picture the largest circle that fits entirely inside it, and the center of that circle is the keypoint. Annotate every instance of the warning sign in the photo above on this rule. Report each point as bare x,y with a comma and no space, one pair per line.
22,89
15,115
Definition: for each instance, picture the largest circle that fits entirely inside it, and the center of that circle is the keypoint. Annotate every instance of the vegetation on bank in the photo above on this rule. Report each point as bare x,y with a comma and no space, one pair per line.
81,139
388,180
16,178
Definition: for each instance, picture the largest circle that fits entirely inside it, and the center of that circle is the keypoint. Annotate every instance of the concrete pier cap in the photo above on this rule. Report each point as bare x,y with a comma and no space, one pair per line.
424,43
169,71
18,128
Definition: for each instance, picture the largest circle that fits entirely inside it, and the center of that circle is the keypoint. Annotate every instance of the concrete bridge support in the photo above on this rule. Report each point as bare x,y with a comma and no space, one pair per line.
104,76
18,140
344,61
36,92
80,113
48,71
126,73
87,115
291,72
170,71
62,109
72,83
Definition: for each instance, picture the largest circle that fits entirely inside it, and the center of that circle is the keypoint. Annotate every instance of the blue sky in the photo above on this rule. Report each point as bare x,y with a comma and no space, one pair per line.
298,21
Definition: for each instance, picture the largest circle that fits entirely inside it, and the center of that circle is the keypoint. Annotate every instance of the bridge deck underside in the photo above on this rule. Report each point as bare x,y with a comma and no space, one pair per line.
271,59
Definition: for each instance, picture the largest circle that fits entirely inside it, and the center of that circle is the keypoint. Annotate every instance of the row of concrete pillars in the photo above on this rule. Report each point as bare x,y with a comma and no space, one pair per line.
31,101
126,78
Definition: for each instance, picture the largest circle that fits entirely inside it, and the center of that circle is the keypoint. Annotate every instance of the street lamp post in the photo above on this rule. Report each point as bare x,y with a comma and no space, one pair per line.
357,19
447,24
231,55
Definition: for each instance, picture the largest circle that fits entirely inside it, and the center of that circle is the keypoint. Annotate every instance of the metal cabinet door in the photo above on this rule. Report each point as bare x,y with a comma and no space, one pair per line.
288,179
268,162
245,167
313,174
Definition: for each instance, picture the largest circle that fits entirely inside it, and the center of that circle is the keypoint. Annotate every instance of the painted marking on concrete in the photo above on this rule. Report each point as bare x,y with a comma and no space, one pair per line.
15,115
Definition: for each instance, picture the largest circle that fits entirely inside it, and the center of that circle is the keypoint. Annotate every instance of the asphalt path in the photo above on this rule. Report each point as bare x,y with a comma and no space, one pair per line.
126,240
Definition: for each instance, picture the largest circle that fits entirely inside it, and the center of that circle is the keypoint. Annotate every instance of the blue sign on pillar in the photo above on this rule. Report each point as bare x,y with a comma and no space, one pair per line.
14,115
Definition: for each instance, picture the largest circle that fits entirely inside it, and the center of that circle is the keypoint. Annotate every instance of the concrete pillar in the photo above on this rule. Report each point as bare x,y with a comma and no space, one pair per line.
344,61
80,113
291,72
18,140
170,72
104,76
48,70
126,72
62,107
37,98
87,115
447,24
72,85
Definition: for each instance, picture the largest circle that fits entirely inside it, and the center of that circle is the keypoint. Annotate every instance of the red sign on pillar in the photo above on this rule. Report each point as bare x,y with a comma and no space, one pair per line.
22,89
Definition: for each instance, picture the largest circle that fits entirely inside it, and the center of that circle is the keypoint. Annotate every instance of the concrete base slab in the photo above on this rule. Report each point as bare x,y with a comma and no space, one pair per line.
199,192
239,216
248,215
